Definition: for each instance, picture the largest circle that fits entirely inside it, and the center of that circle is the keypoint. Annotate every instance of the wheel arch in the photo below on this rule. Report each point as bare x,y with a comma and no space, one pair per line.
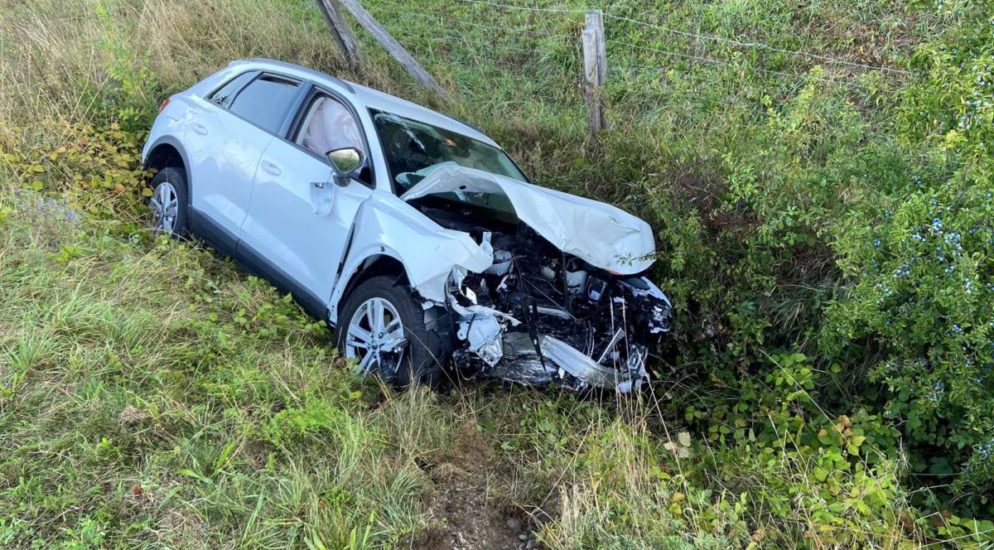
373,265
167,152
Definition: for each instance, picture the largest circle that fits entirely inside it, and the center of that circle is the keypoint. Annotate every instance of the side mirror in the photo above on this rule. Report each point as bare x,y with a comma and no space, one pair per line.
345,163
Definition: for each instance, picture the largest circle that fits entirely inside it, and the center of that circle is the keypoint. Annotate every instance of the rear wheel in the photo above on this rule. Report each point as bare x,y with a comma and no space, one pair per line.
169,202
384,330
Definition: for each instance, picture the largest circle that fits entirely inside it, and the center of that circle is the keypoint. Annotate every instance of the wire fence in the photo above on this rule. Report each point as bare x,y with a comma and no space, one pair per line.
494,30
714,61
699,36
759,45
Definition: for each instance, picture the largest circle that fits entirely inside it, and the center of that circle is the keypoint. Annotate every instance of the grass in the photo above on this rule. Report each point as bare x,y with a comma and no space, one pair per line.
134,403
153,395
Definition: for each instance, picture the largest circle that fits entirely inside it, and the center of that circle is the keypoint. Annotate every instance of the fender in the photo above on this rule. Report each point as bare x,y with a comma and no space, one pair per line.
428,251
175,143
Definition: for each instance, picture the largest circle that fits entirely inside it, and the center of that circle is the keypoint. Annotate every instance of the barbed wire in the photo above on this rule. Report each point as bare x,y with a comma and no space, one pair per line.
716,61
454,36
526,8
648,69
759,45
450,34
699,36
437,17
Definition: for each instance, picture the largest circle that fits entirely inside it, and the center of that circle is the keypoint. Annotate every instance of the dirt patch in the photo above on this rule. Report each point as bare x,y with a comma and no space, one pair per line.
465,512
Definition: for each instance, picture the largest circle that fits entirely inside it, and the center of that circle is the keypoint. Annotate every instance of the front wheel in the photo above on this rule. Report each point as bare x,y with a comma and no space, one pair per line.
384,330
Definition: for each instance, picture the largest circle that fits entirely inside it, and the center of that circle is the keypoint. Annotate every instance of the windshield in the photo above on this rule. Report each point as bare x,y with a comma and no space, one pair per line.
411,147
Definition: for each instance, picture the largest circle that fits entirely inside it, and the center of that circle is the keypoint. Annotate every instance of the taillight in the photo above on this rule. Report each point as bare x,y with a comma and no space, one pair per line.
165,103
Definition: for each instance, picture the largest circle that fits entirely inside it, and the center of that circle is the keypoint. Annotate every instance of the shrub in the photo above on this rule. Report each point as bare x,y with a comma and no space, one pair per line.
919,299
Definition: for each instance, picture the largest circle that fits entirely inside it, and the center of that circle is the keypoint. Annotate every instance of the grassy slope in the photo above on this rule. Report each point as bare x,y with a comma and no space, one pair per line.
154,395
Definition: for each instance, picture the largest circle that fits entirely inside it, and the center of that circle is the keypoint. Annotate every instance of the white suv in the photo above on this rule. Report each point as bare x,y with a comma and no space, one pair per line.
411,232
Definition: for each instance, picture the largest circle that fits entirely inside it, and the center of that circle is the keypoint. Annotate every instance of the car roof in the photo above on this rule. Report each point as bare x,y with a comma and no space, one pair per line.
369,97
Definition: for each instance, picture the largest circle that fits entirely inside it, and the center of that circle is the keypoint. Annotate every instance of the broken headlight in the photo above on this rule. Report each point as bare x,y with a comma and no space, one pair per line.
652,308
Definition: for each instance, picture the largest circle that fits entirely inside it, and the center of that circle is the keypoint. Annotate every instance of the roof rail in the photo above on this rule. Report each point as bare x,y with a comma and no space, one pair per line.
343,83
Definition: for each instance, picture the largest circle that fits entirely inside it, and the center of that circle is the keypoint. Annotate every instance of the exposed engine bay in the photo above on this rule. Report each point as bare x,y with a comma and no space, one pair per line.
538,315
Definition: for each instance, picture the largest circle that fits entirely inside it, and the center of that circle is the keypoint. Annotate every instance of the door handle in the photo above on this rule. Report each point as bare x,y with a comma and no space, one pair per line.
199,128
271,168
318,184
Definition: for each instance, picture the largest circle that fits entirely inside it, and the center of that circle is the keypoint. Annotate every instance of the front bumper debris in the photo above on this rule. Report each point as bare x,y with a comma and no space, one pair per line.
560,361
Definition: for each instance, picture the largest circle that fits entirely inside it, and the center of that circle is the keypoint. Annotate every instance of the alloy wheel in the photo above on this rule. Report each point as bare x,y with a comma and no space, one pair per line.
376,337
165,207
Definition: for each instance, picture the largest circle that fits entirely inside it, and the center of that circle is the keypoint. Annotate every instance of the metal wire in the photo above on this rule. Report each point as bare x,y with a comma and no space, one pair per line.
449,20
455,37
452,34
697,36
526,8
714,61
759,45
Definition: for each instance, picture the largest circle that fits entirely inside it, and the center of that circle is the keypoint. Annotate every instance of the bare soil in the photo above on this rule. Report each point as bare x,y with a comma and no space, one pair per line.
465,512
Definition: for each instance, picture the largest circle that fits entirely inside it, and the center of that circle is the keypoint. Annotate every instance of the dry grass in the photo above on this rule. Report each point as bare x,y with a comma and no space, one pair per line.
66,60
130,363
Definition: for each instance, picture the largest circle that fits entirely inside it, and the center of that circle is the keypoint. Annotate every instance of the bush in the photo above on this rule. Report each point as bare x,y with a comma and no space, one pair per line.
825,233
919,299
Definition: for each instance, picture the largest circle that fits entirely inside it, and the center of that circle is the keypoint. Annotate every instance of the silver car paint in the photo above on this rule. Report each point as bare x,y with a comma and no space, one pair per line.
602,235
387,225
384,224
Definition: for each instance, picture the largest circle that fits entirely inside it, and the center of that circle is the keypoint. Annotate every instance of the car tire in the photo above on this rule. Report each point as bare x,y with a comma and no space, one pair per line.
169,202
423,358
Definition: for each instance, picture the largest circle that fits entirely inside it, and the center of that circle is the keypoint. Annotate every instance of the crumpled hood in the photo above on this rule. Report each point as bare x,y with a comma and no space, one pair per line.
600,234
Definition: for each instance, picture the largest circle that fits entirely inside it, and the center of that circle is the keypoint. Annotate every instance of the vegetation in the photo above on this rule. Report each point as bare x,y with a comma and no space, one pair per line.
824,228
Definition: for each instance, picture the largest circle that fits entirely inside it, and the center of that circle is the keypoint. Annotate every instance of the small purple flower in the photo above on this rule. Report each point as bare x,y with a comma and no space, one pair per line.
986,450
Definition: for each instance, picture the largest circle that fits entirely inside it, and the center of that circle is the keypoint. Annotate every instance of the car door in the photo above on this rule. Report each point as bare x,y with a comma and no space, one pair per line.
225,137
299,220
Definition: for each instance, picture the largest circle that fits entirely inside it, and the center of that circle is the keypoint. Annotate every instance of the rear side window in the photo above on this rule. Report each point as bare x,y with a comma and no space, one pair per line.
225,94
265,102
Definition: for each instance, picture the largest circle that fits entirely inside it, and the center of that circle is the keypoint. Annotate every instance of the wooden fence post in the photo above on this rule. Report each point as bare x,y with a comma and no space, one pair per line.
332,13
393,47
594,70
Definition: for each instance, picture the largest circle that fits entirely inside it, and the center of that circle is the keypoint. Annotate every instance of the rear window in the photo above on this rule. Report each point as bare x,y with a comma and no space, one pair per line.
265,102
225,94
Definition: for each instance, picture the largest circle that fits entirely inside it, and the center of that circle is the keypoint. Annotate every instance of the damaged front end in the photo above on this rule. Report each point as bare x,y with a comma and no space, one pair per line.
562,298
538,315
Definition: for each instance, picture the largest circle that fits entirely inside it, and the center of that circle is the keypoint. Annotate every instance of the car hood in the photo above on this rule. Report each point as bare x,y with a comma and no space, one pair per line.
600,234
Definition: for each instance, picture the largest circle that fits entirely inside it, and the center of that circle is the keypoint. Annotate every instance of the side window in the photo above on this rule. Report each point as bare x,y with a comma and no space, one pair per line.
225,94
329,125
265,102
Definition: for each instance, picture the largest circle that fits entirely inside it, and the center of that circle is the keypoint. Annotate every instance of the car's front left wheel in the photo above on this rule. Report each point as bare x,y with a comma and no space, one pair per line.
168,202
387,333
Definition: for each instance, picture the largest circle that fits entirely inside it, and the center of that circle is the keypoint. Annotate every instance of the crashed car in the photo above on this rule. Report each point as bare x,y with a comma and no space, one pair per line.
413,234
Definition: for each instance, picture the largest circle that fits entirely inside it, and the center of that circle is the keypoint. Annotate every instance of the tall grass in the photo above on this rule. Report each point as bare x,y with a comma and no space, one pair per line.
151,394
69,60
